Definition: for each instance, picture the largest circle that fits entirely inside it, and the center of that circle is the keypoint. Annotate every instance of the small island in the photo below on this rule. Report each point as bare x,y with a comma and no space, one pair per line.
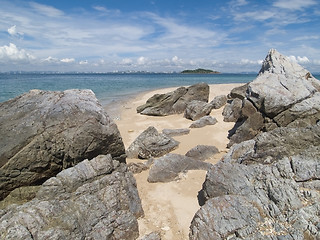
200,71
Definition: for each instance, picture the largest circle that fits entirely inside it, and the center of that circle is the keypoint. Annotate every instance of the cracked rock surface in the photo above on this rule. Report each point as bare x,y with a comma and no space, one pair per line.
44,132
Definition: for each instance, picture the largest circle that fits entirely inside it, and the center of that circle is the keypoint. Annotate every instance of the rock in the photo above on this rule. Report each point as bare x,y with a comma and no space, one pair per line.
202,152
150,144
168,167
218,102
152,236
238,92
276,174
232,111
43,132
176,132
95,199
223,216
197,109
283,94
174,102
139,167
204,121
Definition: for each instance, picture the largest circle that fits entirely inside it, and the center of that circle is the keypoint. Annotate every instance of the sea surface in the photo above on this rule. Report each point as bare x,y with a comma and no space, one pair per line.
108,87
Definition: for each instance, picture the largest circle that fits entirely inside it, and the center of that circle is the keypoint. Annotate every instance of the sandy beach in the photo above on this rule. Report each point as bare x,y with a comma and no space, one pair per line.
170,207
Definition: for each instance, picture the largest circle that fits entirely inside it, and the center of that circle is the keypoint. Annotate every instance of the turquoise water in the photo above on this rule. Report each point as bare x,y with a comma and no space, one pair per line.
108,87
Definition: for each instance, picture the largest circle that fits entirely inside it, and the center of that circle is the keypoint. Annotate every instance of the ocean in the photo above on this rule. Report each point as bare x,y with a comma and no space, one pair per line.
108,87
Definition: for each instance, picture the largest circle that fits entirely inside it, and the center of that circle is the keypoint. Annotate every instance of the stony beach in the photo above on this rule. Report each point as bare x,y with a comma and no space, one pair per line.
199,162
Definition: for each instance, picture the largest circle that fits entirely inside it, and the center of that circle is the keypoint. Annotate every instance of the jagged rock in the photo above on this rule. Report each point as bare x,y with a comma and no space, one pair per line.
238,92
202,152
140,167
176,132
95,199
174,102
197,109
218,102
150,144
204,121
152,236
232,111
168,167
277,173
284,94
43,132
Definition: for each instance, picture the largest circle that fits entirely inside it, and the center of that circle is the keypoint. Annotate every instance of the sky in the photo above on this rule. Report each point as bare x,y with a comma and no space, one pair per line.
156,35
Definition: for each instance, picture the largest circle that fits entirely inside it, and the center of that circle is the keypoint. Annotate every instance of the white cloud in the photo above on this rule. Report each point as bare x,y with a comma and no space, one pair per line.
12,30
247,61
126,61
237,3
294,4
299,59
50,60
12,53
46,10
141,60
84,62
67,60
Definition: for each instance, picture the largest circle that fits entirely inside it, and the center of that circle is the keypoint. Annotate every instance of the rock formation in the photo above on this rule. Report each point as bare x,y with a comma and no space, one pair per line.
197,109
95,199
176,132
204,121
174,102
202,152
168,167
150,144
268,188
283,94
44,132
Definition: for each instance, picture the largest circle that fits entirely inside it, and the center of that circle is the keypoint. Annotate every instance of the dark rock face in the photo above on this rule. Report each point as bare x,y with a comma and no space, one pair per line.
168,167
95,199
204,121
44,132
197,109
218,102
150,144
202,152
272,181
174,102
283,94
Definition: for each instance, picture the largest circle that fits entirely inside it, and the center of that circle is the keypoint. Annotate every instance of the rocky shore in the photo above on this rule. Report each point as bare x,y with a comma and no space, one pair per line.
228,161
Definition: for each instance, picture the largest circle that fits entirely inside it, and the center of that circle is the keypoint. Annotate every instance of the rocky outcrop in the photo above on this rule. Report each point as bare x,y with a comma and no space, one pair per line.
283,94
174,102
268,188
168,167
44,132
150,144
202,152
95,199
218,102
204,121
197,109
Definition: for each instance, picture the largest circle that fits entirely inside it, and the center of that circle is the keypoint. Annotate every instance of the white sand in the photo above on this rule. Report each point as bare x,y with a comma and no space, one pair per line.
170,207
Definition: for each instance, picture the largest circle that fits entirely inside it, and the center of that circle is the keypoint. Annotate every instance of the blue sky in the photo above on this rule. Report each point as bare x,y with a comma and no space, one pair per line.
156,35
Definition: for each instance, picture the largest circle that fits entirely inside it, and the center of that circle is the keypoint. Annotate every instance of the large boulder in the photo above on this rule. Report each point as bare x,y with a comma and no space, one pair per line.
270,187
43,132
95,199
150,143
283,94
168,167
197,109
174,102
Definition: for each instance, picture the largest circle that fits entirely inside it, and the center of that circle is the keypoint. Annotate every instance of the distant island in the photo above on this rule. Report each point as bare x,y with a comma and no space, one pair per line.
200,71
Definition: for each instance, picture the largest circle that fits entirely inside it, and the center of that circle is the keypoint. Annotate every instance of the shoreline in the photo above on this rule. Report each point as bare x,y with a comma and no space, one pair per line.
170,207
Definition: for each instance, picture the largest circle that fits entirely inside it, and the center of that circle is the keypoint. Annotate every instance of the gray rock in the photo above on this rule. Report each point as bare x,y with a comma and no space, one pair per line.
150,144
204,121
277,174
95,199
232,111
168,167
284,94
238,92
176,132
44,132
197,109
152,236
202,152
219,101
174,102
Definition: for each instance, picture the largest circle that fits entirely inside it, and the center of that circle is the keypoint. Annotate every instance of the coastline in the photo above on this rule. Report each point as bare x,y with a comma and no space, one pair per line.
170,207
